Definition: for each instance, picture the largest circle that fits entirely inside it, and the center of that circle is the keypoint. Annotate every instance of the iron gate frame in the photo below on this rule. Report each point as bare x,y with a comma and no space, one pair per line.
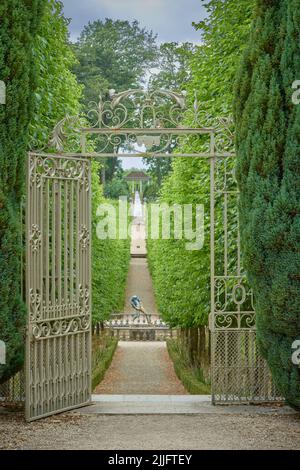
161,137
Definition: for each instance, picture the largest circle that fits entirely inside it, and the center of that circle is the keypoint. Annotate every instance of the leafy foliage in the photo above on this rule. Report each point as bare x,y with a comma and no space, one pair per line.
173,66
181,277
268,143
103,349
190,376
214,65
58,92
116,188
113,55
151,192
158,168
20,21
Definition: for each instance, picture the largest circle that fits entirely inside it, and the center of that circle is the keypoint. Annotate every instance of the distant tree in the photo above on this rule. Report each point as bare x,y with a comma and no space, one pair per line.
115,188
113,55
173,66
158,168
20,22
151,192
112,167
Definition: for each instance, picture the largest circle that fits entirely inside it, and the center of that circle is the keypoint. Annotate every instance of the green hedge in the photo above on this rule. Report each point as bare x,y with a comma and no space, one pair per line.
180,277
268,145
20,21
104,348
191,377
110,262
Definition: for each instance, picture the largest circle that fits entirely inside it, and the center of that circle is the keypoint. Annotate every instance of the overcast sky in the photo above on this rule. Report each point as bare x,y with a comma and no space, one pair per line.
171,20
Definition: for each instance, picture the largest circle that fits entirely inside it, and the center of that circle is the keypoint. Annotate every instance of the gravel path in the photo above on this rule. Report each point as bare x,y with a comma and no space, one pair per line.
141,368
139,281
79,431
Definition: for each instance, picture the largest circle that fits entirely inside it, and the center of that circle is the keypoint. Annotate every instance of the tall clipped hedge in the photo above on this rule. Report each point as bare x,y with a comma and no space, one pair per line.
182,278
58,92
268,145
19,23
110,260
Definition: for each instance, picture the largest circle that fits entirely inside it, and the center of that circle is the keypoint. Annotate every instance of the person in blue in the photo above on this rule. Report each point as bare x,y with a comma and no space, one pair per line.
136,303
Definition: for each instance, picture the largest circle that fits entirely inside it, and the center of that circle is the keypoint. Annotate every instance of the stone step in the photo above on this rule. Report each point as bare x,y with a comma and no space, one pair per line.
138,255
171,404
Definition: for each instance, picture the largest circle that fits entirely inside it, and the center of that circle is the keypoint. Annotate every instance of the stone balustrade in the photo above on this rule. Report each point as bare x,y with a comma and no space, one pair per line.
125,328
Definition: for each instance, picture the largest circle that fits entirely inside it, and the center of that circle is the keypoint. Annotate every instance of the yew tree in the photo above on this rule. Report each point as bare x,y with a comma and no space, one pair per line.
268,146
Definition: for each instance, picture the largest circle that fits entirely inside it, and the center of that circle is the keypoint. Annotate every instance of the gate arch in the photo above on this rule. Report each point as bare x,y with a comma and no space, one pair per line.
58,249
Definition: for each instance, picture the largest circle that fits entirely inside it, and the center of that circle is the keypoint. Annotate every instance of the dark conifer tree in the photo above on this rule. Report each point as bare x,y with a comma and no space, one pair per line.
268,146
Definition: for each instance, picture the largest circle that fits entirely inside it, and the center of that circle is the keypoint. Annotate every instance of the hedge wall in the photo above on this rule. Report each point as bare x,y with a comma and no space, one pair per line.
20,21
268,145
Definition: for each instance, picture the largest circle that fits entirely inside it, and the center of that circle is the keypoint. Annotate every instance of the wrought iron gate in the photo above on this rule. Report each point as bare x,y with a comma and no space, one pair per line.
238,373
58,226
58,278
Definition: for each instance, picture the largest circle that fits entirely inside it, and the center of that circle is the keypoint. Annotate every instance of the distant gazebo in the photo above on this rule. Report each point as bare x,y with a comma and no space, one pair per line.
137,180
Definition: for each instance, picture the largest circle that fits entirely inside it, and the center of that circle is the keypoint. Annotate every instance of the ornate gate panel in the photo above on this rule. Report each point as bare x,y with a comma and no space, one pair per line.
58,278
239,373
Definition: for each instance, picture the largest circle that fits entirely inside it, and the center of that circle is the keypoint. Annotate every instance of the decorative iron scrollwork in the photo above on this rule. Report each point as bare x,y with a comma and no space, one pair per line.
131,141
84,299
60,327
69,128
231,293
35,300
62,168
148,141
35,238
138,108
84,237
152,109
